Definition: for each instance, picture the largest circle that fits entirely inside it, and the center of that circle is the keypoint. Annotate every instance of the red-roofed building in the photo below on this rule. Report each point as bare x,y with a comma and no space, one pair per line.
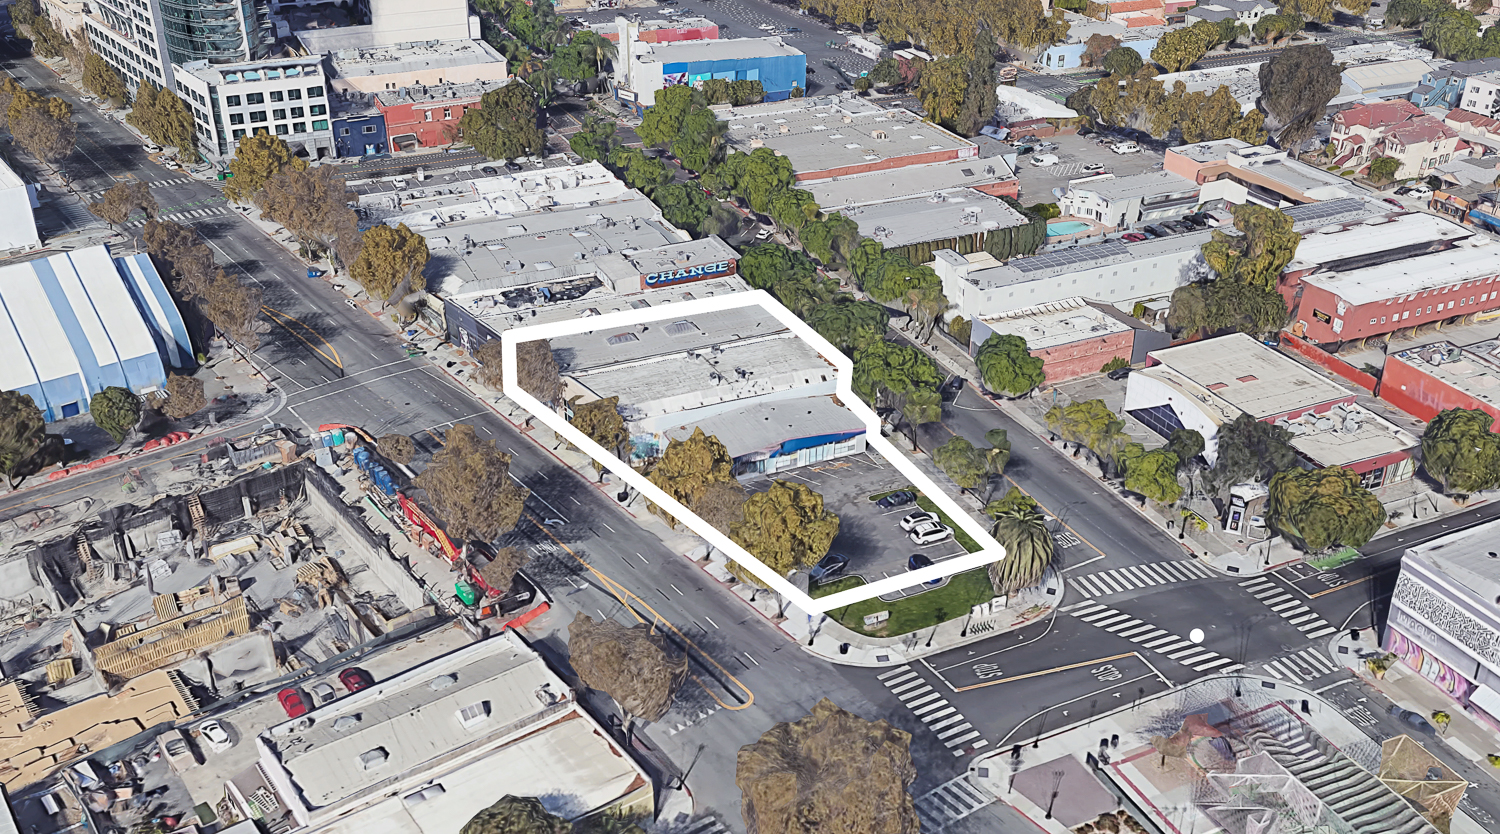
1396,129
1476,129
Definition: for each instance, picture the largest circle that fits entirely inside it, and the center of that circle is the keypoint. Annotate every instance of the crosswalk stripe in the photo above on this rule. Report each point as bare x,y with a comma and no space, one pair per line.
929,708
1085,585
1283,606
1131,622
1155,645
936,715
1274,670
1078,609
1322,632
905,685
892,673
1221,661
1235,668
1108,582
922,700
1158,572
1102,620
1193,655
1141,638
1144,627
1143,576
953,731
909,695
980,743
1318,660
1181,653
1308,616
959,741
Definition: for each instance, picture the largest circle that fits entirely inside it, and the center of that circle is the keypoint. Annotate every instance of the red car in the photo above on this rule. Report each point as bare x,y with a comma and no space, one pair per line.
1393,201
1133,237
354,679
293,702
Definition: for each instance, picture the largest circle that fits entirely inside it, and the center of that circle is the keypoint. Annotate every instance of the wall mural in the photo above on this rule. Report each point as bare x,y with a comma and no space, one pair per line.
1459,625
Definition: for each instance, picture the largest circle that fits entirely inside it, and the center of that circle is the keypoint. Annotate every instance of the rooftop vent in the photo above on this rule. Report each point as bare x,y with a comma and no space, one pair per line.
442,682
371,759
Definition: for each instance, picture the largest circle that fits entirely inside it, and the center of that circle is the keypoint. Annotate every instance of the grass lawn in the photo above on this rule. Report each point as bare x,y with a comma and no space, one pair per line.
1336,560
964,539
954,599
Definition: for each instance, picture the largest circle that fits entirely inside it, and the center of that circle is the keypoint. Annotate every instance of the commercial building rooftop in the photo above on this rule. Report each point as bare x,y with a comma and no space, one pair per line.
1471,258
1465,558
1215,151
1247,375
268,70
438,92
910,181
765,426
1474,370
1331,245
430,206
354,62
1148,184
1053,325
591,351
724,49
819,134
947,214
1346,434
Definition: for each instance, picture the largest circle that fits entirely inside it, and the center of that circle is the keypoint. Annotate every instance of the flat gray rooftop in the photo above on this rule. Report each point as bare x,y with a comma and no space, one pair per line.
763,427
1148,184
729,49
1249,375
819,137
908,181
941,216
599,348
355,63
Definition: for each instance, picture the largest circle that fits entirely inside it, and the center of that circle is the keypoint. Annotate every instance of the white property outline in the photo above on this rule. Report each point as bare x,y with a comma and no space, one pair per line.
991,550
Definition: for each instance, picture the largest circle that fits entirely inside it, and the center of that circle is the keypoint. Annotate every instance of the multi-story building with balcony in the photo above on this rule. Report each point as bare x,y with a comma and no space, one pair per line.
143,39
287,98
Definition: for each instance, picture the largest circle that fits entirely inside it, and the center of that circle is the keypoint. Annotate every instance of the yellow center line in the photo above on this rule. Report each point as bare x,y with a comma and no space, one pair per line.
283,319
621,593
1043,672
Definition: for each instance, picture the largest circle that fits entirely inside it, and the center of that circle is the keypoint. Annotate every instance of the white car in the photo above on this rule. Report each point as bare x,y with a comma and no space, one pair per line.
1420,192
913,520
215,736
176,750
1093,167
931,533
152,148
1042,160
1126,147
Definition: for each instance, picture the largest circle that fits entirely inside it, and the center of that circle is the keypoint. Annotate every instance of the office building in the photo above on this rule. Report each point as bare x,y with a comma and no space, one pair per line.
649,67
1127,202
143,39
286,98
416,64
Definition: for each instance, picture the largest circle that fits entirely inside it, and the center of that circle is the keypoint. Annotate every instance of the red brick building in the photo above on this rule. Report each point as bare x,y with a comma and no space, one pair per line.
428,116
1423,381
1073,338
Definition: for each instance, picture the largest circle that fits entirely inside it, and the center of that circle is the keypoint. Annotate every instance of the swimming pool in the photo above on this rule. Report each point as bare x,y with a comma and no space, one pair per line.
1067,227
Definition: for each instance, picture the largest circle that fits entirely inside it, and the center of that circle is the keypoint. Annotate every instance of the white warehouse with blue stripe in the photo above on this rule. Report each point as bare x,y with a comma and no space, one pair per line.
75,323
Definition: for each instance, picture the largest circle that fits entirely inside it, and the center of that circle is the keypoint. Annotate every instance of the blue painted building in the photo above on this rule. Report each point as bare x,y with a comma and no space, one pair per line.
1070,55
779,68
359,134
1444,87
76,323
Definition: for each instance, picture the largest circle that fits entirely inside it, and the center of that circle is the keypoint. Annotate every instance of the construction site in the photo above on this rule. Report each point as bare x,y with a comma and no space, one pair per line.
264,567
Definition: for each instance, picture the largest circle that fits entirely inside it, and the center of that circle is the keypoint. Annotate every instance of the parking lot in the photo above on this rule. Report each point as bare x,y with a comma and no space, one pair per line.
1074,152
869,535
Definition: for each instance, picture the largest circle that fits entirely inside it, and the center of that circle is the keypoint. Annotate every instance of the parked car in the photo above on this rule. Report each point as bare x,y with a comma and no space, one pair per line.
1043,160
489,171
1093,167
930,533
1412,718
354,679
1157,230
916,562
897,499
1393,201
1046,146
952,387
1133,237
790,30
763,235
293,701
175,748
1198,220
321,693
828,567
1119,373
913,520
1181,227
512,166
1403,191
215,736
152,147
1125,147
1420,192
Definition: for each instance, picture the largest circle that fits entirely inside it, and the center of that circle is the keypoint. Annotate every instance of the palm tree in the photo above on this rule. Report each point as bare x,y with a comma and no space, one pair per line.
604,50
1028,550
921,407
926,305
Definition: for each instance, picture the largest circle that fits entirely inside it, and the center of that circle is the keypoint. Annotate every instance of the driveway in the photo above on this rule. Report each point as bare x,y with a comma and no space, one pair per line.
1074,152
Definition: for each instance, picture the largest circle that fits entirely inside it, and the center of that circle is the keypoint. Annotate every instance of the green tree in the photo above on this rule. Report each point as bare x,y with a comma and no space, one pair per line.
116,410
1091,425
1461,451
762,174
743,91
1384,168
1097,47
886,72
1250,451
1318,10
313,204
602,422
699,143
1122,60
117,204
516,815
687,467
184,397
960,329
1273,27
232,307
102,80
1154,475
848,324
43,126
1256,256
165,120
639,171
1178,49
1321,508
885,373
996,457
942,89
831,765
964,464
257,158
1213,306
1029,549
1013,498
786,527
504,125
595,139
390,262
662,123
1007,366
1296,86
683,205
634,665
1186,444
469,484
23,432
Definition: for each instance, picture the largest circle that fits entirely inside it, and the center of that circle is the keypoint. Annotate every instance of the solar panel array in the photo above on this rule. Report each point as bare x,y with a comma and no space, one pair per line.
1070,257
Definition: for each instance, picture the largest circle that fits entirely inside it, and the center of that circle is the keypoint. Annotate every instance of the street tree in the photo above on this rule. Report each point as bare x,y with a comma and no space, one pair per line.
165,119
1186,444
1461,451
1006,365
500,571
1321,508
600,420
1266,243
179,253
1179,49
926,303
313,204
469,484
762,174
184,397
920,407
638,170
117,204
9,88
101,79
595,139
1152,474
1217,305
23,433
1250,451
1296,86
687,467
1012,499
390,262
504,125
849,324
964,464
516,815
233,308
1123,61
537,372
1090,425
258,158
1029,549
398,448
43,126
885,373
830,238
830,771
700,141
634,665
960,329
786,527
662,123
1274,27
116,410
1097,48
722,505
997,456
